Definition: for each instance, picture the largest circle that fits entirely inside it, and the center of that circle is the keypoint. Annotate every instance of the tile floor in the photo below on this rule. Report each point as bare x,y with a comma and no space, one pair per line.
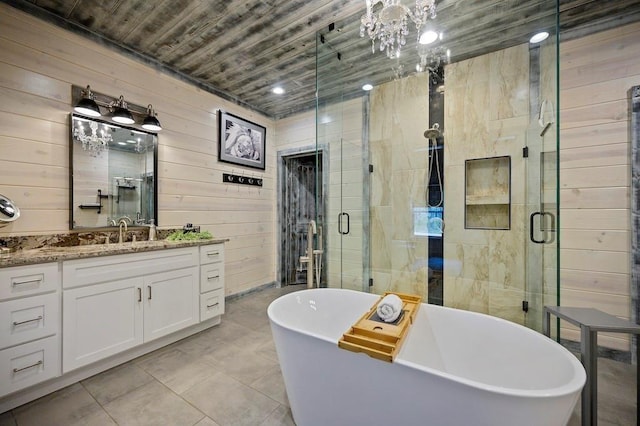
229,375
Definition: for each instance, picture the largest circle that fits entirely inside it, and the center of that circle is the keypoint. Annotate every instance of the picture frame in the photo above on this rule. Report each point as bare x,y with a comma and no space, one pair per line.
241,141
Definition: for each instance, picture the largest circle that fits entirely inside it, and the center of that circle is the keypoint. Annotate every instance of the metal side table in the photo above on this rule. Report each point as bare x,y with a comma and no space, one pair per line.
591,321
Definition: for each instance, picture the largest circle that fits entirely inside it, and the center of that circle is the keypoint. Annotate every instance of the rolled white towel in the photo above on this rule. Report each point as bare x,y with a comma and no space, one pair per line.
389,308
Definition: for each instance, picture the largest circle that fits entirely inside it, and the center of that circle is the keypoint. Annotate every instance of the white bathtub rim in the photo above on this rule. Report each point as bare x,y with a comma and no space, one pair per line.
578,374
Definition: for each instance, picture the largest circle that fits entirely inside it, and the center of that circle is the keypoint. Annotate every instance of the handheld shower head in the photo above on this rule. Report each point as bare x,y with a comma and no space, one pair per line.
433,132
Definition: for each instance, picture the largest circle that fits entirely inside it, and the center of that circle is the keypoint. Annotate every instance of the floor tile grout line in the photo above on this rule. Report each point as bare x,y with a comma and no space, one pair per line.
97,402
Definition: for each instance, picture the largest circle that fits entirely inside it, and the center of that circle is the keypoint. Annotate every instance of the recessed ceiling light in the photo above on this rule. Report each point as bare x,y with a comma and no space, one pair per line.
537,38
367,87
428,37
278,90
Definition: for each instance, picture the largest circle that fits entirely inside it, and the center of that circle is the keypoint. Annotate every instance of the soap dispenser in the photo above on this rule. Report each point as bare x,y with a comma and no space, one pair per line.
152,230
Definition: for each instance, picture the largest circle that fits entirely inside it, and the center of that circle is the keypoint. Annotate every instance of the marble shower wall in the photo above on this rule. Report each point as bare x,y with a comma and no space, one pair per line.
399,115
486,115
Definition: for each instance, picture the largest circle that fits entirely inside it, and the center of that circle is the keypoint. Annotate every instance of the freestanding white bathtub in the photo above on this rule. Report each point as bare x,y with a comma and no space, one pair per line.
454,368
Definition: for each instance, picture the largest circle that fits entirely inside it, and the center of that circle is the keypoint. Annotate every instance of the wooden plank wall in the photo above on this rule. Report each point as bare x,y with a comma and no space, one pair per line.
38,65
596,73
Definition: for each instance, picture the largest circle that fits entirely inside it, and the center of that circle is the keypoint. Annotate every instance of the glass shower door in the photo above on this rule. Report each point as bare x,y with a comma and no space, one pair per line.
339,134
541,214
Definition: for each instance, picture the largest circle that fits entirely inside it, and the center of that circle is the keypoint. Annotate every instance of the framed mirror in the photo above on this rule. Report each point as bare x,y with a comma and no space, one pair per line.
113,174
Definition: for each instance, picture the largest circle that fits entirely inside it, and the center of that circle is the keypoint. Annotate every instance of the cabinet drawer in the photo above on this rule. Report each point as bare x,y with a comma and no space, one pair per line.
22,281
28,364
211,304
211,277
211,253
80,272
30,318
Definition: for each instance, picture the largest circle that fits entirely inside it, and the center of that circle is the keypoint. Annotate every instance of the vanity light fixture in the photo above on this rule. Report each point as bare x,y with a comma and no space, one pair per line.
121,113
150,121
87,105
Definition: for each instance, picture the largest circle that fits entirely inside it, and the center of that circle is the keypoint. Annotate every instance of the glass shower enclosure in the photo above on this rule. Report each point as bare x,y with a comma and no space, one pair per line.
491,245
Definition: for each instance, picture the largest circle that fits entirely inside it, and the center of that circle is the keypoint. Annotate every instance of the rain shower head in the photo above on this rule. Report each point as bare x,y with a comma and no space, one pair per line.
433,132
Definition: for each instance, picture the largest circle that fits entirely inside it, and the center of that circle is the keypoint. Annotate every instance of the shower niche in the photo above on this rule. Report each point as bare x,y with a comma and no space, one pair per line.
488,193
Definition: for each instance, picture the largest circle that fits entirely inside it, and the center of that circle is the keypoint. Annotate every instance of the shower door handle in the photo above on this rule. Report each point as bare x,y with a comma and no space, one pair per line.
340,215
545,230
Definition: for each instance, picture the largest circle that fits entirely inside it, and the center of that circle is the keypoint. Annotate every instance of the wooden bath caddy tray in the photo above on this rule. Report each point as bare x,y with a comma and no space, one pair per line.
377,338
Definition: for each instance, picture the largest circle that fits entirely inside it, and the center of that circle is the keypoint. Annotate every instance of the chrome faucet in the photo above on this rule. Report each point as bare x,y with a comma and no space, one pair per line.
121,222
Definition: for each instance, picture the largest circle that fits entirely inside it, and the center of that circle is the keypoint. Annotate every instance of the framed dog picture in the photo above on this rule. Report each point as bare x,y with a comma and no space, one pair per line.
241,142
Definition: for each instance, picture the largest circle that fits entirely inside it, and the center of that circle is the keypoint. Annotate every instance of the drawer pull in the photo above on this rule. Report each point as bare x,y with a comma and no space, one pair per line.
27,321
37,280
211,306
214,277
213,253
17,370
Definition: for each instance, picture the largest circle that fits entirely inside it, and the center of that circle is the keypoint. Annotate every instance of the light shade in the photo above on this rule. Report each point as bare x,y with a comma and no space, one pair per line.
87,105
150,121
121,113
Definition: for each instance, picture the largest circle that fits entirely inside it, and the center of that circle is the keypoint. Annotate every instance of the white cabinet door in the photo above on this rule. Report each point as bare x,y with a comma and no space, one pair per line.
101,320
171,302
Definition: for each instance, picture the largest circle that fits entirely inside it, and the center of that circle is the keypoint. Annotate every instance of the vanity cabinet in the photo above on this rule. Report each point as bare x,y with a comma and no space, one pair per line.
211,281
65,320
114,303
29,325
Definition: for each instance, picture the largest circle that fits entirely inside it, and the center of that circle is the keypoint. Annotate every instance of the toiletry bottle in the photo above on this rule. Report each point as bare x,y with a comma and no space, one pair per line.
152,230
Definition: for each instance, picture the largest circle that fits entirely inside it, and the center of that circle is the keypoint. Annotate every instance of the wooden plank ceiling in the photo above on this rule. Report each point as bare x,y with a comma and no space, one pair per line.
242,49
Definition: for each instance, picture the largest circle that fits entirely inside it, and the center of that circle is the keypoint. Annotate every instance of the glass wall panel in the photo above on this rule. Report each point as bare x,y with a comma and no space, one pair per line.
397,191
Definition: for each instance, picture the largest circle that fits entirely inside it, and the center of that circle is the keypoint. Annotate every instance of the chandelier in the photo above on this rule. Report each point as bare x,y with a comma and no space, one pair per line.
389,26
431,58
93,142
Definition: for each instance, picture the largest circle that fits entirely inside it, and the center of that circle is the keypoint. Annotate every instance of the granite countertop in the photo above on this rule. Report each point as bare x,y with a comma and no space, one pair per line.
54,254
